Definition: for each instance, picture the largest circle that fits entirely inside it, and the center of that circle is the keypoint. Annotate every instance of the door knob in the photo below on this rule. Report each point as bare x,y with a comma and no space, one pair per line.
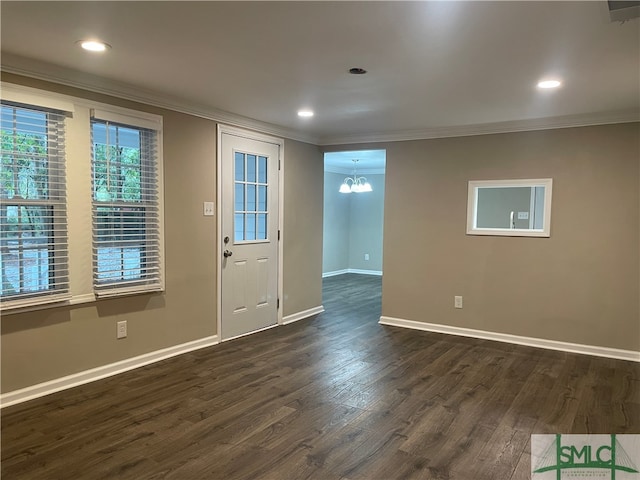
227,253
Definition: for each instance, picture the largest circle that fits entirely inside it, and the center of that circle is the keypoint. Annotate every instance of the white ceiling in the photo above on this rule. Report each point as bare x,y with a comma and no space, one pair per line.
435,68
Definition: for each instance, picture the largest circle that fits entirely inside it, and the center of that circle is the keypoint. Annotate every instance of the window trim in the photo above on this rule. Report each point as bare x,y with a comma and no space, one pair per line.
129,287
79,194
60,250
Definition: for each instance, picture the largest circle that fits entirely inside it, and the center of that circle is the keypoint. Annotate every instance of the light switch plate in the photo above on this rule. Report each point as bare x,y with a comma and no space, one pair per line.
209,209
121,329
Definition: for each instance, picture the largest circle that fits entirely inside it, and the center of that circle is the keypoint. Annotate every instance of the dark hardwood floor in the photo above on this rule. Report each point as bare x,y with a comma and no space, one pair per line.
337,396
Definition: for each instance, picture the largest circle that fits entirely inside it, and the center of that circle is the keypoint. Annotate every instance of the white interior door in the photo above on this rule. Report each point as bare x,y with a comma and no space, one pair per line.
249,230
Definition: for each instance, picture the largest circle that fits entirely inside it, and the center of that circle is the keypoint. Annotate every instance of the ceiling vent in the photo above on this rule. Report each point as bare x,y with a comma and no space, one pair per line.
621,11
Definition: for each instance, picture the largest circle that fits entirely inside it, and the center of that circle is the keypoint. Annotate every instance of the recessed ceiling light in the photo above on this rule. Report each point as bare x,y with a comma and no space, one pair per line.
357,71
94,45
549,84
305,113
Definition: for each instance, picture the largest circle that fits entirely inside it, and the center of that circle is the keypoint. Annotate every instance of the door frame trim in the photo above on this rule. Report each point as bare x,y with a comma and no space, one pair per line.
261,137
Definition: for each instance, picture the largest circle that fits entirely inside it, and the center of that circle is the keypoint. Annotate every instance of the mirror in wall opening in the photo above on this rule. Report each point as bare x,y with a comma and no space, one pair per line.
517,208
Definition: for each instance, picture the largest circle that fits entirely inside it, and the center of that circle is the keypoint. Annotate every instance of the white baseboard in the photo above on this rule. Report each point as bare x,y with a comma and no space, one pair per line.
304,314
377,273
87,376
607,352
335,273
352,270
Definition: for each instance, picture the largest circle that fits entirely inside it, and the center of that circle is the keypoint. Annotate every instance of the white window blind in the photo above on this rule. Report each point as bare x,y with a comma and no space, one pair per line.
33,217
125,205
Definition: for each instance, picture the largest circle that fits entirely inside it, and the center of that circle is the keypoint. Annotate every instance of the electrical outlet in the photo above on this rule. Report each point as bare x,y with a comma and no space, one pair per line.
457,301
366,256
121,329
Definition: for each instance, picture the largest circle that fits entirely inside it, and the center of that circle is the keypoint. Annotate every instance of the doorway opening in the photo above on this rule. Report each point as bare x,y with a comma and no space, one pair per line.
354,185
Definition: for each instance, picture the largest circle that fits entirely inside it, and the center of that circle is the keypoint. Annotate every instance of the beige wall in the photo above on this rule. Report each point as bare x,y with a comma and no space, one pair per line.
581,285
367,226
303,199
336,224
51,343
353,225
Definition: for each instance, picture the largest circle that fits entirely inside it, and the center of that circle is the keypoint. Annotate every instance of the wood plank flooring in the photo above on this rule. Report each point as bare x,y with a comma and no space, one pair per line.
337,396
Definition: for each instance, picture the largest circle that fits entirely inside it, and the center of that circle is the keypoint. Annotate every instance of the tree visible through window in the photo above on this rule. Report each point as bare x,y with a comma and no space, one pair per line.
124,205
32,210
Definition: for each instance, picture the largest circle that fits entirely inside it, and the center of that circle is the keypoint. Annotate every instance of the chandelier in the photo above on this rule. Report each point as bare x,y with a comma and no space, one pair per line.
355,183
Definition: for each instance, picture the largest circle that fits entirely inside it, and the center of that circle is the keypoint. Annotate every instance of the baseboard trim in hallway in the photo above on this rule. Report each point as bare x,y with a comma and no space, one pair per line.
294,317
597,351
104,371
358,271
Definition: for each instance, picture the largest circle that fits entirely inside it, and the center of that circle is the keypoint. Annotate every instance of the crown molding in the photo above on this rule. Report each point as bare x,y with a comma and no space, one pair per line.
49,72
73,78
549,123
